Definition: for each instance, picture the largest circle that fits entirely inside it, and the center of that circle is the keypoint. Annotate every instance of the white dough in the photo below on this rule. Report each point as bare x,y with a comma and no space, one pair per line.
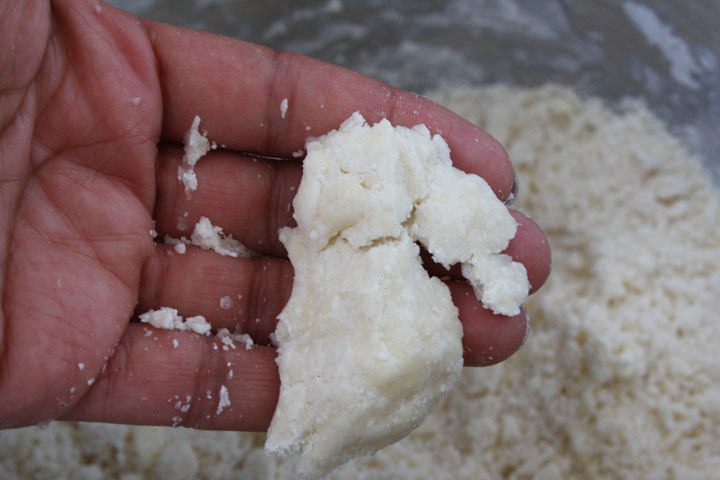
210,237
167,318
369,343
196,146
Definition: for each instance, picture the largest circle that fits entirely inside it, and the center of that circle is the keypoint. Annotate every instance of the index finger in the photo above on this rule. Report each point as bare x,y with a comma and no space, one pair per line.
238,89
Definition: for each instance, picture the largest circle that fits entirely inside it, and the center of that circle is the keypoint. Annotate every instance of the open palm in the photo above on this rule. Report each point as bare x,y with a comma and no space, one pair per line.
93,107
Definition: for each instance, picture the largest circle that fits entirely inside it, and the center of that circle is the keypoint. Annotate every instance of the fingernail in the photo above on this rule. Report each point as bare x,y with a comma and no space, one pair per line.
513,190
527,328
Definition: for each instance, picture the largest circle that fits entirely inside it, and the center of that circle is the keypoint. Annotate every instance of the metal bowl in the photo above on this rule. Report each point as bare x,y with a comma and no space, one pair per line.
665,52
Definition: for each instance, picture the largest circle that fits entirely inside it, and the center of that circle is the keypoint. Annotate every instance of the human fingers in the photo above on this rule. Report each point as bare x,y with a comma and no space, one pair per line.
240,294
181,379
251,198
530,247
174,378
487,338
238,88
257,289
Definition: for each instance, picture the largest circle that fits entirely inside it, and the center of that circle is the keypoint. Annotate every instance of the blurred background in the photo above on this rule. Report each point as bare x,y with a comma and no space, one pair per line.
664,51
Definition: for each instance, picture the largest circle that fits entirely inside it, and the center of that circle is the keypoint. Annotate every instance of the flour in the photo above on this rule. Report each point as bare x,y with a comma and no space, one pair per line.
619,377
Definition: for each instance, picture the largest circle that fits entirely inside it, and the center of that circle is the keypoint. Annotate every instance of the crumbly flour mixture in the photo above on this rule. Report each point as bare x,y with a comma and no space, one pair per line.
620,376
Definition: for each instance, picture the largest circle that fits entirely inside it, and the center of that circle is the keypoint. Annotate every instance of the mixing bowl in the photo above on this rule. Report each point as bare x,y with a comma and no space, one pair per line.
664,52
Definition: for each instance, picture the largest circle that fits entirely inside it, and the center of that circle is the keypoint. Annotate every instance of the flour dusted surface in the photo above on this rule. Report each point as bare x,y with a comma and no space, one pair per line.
619,377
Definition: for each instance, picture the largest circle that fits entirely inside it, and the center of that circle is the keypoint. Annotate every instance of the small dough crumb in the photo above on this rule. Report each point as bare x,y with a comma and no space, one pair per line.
196,146
226,303
210,237
224,400
179,244
167,318
283,107
228,339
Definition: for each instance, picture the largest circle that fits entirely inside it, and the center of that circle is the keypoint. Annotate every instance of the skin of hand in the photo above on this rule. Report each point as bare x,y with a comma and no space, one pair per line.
94,103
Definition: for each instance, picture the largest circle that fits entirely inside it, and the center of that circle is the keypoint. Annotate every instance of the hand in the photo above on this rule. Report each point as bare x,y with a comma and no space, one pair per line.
93,107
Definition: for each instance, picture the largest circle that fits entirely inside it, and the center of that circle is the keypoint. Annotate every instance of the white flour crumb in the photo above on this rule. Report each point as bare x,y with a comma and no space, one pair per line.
224,335
152,233
136,101
175,343
210,237
168,319
179,244
224,400
228,339
243,338
196,146
283,107
81,365
198,324
226,303
298,153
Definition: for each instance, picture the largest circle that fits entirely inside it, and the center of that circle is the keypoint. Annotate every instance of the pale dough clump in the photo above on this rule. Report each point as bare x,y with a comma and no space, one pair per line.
369,343
210,237
196,146
168,319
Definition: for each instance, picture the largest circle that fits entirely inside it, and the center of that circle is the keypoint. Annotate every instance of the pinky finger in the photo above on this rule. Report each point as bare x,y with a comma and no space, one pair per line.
182,379
487,338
